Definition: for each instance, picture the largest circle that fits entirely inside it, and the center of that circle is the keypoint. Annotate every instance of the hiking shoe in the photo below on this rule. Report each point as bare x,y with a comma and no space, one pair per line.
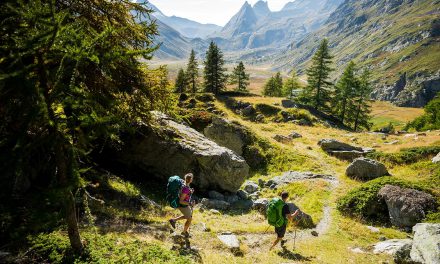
186,234
172,223
283,242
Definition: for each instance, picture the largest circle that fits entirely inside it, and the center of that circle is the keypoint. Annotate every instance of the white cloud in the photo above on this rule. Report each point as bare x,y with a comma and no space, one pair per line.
209,11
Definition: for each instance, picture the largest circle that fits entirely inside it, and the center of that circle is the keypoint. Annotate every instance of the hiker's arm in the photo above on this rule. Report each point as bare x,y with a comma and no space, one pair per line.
182,199
294,214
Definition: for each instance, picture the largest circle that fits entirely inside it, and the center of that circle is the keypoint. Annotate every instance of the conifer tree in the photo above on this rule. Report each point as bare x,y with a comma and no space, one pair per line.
317,92
274,86
362,107
214,73
181,82
192,73
290,85
240,77
344,92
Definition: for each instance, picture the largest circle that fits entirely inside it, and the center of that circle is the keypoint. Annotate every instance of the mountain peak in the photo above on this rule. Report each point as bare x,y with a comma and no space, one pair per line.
243,21
261,8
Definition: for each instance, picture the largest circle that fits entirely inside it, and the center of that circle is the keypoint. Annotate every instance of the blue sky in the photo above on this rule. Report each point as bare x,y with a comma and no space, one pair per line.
209,11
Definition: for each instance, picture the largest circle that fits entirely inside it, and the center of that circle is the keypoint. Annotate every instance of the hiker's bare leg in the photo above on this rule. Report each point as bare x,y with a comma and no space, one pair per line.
179,218
275,242
187,224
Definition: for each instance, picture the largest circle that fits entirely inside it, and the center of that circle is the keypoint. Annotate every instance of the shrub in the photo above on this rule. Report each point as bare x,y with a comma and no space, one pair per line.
430,120
406,156
364,203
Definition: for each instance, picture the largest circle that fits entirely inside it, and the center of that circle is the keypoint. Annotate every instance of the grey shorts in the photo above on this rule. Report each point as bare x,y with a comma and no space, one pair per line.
186,211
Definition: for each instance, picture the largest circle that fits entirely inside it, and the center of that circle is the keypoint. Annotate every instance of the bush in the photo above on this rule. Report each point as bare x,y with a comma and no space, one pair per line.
267,110
406,156
109,248
364,203
430,120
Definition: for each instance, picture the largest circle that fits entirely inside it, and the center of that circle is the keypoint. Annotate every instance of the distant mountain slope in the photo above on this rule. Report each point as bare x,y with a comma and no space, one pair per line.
399,40
257,28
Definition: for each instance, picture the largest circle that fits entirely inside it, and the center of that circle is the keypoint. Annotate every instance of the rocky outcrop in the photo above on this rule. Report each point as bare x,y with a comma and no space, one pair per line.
215,204
406,206
426,243
436,159
343,150
251,187
410,91
170,148
293,176
366,169
228,134
391,246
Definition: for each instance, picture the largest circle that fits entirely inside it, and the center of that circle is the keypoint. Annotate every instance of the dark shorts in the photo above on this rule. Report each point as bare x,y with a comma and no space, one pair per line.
281,231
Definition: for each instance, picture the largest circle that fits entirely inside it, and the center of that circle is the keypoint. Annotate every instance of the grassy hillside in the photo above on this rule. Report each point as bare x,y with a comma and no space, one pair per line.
389,41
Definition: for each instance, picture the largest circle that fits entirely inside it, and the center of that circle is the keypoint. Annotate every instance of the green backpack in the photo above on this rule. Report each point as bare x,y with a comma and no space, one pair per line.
174,187
275,212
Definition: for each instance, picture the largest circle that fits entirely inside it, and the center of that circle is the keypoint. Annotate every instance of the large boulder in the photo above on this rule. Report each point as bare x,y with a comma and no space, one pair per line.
426,243
261,204
406,207
366,169
228,134
168,148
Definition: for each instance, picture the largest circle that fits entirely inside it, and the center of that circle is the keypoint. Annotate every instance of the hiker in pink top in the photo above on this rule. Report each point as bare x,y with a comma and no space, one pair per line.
185,205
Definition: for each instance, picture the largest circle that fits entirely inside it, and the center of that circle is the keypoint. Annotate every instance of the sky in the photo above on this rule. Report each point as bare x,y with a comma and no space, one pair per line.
209,11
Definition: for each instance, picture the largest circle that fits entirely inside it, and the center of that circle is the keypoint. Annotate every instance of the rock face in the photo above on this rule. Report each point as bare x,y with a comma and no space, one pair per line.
426,243
436,159
229,240
170,148
402,255
227,134
410,91
366,169
342,150
406,206
215,204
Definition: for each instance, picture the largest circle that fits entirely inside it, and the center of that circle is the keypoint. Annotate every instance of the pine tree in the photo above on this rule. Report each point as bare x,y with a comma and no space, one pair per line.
317,92
192,73
290,85
71,77
214,73
240,77
274,86
344,92
181,82
362,107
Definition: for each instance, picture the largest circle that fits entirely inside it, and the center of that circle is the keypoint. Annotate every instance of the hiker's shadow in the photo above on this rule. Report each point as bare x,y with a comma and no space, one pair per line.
287,254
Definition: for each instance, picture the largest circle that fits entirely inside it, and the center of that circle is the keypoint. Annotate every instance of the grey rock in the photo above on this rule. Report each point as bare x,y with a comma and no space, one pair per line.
214,211
373,229
250,187
227,134
293,176
248,111
406,206
261,183
366,169
426,243
436,159
215,204
288,103
334,145
254,196
229,240
347,154
261,204
314,233
302,220
390,246
282,139
295,135
216,195
259,118
231,198
170,148
402,255
242,205
242,194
